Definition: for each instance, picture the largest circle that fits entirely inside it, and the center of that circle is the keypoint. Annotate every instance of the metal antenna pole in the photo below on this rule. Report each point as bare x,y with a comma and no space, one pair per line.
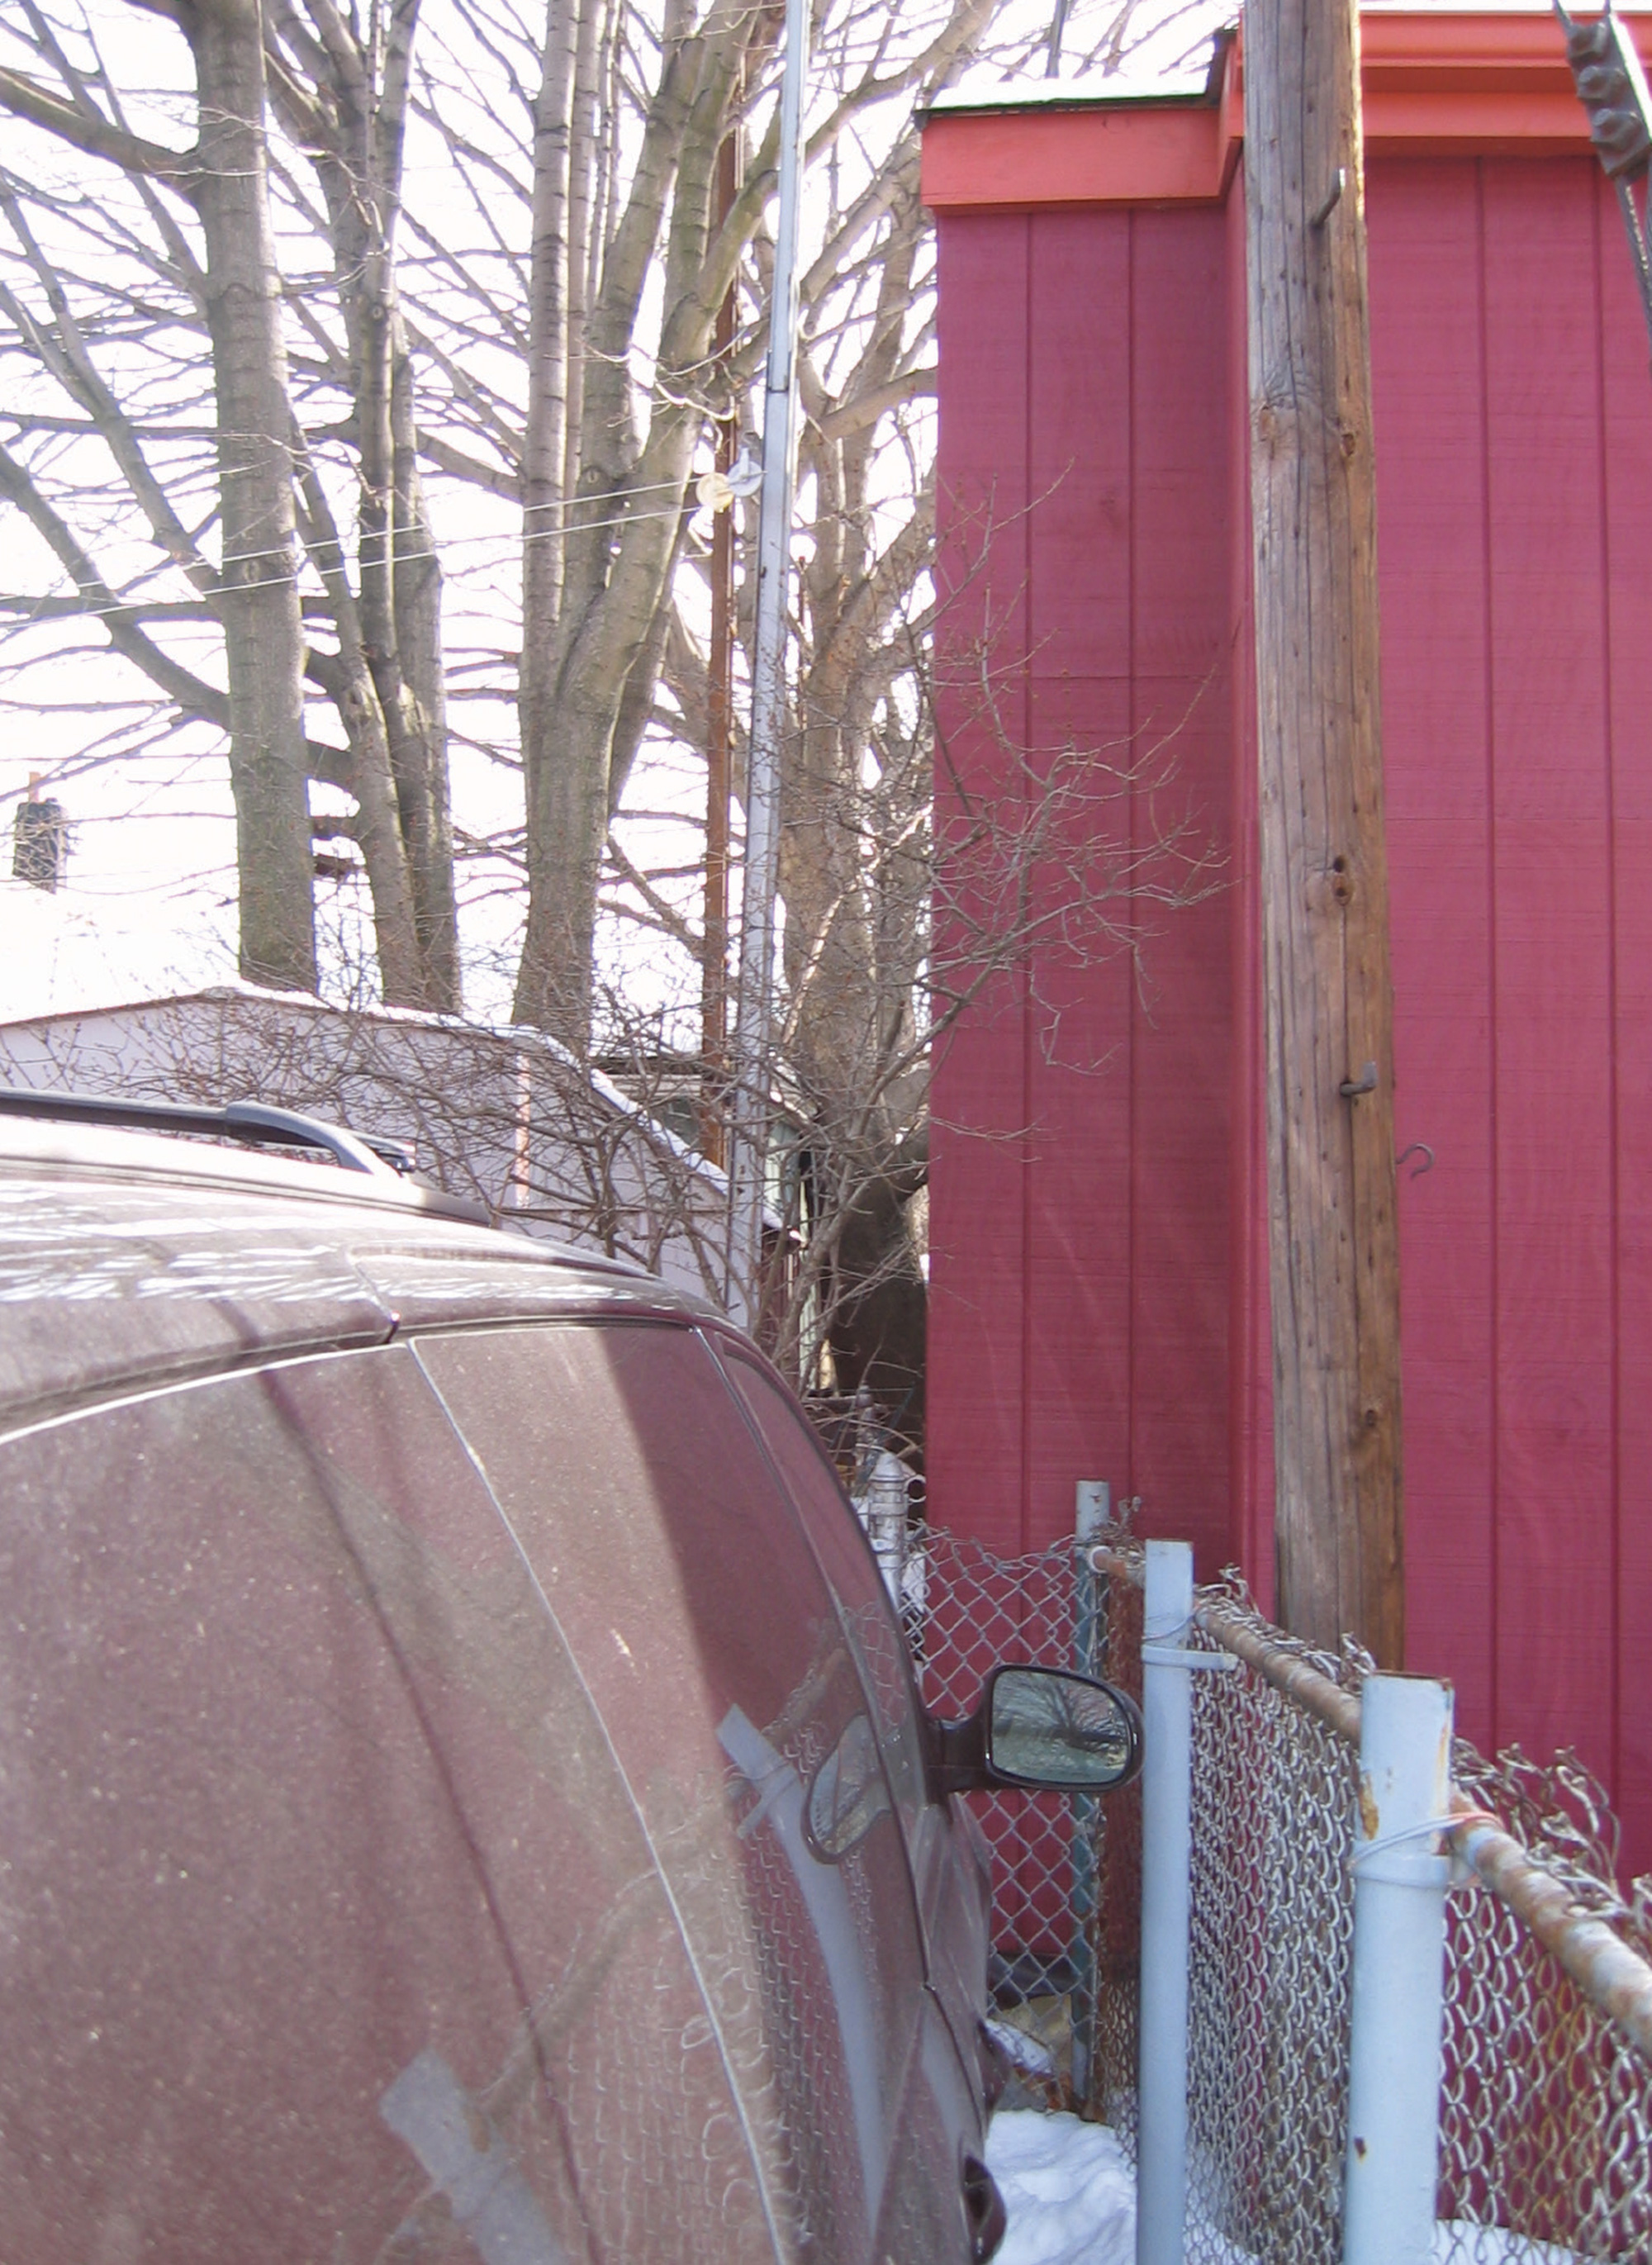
752,1036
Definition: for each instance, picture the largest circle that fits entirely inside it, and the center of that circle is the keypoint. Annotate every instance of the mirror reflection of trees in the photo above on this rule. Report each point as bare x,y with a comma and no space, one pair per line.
1059,1729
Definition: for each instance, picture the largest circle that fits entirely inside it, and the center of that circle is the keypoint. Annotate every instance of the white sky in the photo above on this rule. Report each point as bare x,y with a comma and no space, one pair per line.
148,902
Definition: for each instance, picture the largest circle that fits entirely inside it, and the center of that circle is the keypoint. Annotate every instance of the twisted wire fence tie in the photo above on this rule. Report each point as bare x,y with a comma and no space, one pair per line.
1461,1871
1171,1655
1165,1632
1163,1647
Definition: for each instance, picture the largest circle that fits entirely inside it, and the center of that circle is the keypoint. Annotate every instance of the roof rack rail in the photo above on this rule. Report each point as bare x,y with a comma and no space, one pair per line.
242,1120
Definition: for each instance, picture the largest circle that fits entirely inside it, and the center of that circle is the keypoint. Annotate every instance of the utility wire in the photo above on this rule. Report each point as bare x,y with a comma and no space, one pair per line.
510,544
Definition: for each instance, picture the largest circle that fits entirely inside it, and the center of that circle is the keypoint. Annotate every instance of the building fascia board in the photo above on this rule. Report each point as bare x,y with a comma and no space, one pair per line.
1435,85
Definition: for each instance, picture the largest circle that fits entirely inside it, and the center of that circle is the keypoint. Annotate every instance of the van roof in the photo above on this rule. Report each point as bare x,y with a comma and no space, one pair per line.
129,1261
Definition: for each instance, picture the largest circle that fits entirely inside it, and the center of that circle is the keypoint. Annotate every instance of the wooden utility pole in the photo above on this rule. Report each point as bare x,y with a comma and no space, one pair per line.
1332,1229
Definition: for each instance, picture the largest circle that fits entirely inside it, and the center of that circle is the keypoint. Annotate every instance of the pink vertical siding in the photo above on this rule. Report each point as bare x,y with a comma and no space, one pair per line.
977,1229
1429,380
1627,459
1078,1222
1250,1360
1181,1000
1552,917
1101,1302
1092,1230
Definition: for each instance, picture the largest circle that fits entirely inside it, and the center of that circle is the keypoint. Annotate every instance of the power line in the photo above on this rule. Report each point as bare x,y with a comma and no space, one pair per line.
509,544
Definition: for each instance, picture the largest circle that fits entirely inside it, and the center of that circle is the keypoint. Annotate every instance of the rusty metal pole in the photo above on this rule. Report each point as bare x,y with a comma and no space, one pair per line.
1333,1238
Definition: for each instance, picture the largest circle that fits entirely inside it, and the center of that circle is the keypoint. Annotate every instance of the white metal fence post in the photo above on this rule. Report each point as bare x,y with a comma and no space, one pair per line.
1167,1848
1092,1508
1398,2012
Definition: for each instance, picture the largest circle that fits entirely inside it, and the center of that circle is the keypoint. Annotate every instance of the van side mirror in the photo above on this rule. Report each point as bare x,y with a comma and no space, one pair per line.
1041,1728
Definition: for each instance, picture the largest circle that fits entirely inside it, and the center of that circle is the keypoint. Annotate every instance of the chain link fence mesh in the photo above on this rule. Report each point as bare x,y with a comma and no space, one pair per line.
1546,2106
968,1612
1546,2118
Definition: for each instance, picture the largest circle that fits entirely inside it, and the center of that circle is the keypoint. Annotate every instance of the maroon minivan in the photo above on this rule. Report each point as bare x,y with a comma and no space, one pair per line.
462,1790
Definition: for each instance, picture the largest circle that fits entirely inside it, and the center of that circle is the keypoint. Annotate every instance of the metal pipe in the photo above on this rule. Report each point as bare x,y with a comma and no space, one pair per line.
1608,1971
751,1071
1166,1853
1398,2013
1614,1978
1091,1510
1337,1709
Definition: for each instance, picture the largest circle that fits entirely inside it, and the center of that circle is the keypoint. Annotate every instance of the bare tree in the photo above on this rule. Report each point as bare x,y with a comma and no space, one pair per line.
113,333
529,314
343,97
233,288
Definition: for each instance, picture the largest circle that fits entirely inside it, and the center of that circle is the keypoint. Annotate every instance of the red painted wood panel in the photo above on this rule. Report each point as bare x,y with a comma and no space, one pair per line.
976,1415
1182,1000
1626,402
1250,1390
1429,391
1120,1229
1552,877
1099,1201
1077,1035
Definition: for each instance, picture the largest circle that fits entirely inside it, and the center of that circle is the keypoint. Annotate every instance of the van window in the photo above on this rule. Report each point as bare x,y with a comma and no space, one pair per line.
682,1581
289,1752
850,1566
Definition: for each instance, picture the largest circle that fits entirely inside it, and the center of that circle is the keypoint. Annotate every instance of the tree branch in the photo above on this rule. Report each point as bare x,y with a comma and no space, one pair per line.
121,623
864,408
25,97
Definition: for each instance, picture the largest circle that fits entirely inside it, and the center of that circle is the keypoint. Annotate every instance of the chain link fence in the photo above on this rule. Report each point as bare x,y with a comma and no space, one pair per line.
968,1612
1546,2106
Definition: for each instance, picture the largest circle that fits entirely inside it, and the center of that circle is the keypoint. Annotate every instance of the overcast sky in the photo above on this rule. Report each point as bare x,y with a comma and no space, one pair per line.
147,905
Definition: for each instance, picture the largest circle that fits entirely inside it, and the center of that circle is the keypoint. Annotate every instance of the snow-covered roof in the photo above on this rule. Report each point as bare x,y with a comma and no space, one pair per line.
514,1035
1143,77
981,90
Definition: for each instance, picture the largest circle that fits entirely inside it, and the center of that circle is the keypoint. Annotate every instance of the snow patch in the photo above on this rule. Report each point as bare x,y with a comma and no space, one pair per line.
1069,2187
1460,2243
1070,2192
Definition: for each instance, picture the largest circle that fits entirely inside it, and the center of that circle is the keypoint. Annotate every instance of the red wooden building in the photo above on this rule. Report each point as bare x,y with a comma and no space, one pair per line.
1098,1224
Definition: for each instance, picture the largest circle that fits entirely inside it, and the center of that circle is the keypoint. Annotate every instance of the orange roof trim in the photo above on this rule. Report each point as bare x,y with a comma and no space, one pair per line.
1435,85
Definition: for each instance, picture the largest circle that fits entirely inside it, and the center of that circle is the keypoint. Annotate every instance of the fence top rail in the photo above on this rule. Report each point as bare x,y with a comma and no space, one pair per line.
1297,1678
1229,1624
1614,1978
1610,1972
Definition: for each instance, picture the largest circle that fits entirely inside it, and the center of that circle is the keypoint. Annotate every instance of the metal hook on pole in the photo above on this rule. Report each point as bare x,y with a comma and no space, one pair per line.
1332,198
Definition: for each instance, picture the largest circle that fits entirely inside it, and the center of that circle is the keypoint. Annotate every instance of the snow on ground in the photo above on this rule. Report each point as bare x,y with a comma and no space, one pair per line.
1070,2191
1069,2187
1460,2243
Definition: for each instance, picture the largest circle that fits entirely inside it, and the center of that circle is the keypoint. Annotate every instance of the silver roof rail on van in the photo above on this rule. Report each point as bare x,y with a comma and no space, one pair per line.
242,1120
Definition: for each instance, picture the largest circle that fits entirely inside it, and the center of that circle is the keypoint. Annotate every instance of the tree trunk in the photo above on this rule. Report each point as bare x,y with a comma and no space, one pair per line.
545,435
621,530
262,630
1333,1240
878,1307
377,825
426,813
345,103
